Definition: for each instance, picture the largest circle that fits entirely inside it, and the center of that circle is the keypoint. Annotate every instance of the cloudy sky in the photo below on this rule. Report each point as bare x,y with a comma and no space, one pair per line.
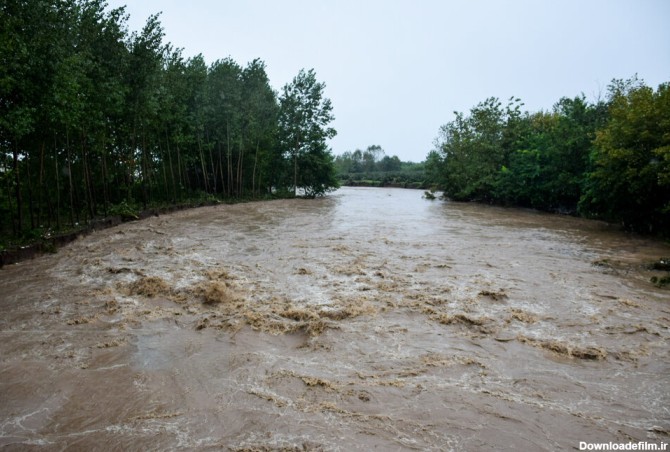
396,70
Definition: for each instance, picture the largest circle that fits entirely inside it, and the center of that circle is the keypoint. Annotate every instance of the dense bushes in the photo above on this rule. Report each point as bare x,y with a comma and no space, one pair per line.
609,159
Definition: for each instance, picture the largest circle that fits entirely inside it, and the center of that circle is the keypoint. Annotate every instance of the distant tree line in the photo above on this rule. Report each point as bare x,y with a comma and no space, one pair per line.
372,159
94,118
372,167
609,159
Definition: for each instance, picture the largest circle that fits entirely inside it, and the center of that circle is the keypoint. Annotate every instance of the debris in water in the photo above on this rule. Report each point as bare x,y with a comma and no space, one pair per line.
150,286
569,350
522,316
496,296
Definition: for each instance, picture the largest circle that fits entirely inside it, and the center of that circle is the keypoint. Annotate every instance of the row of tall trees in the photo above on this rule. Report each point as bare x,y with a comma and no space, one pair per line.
93,117
373,159
372,167
609,159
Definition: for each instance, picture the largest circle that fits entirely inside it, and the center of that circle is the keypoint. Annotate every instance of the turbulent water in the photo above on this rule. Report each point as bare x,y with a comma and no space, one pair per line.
369,319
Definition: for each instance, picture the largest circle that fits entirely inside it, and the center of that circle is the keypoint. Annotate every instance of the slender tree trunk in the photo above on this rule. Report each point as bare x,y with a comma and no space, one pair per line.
57,181
87,178
174,184
295,166
42,188
221,167
202,164
9,199
228,150
211,162
253,172
145,171
105,175
17,188
295,174
130,168
31,204
69,173
240,165
211,166
163,164
181,180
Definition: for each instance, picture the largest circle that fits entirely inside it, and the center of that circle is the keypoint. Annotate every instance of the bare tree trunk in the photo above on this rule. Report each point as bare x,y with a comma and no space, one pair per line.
211,162
145,171
31,207
17,188
105,175
87,178
174,185
57,182
202,163
295,174
253,172
221,168
42,188
69,173
230,168
181,180
163,163
239,169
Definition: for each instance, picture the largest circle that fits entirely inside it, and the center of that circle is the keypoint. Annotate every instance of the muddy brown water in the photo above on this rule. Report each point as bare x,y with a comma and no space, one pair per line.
368,320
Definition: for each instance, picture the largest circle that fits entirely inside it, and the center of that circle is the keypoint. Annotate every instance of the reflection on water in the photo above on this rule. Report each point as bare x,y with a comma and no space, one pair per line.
371,318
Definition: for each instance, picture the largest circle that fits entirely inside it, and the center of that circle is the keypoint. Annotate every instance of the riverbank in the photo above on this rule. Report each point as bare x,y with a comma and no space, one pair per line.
51,242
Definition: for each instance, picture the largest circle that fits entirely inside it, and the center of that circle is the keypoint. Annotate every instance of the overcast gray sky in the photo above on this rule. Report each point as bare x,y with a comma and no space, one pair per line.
396,70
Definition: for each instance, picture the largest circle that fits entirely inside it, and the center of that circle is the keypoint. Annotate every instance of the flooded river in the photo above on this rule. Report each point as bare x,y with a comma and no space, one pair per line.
371,319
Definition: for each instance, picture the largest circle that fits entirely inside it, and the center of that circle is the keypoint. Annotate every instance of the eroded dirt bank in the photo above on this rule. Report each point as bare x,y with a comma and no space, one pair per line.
371,319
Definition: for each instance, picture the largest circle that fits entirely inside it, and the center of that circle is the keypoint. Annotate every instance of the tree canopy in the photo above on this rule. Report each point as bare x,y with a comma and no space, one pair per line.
95,119
609,159
304,118
372,167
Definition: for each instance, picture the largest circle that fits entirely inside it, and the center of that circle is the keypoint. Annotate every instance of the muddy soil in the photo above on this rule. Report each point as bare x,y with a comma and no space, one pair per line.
368,320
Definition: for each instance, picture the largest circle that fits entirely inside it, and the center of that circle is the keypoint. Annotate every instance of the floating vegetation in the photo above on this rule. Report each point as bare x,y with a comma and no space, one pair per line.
496,296
522,316
150,286
215,292
566,349
663,264
663,281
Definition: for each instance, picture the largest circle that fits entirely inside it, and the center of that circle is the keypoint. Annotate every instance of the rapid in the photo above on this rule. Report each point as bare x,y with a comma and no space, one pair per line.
370,319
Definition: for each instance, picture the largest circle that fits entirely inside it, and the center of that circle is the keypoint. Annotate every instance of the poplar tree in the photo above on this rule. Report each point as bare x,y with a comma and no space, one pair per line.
304,119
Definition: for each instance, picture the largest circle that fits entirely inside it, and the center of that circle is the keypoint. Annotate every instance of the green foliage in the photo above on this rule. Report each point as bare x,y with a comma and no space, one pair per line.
631,158
662,281
304,118
474,148
125,211
663,264
407,178
95,120
372,160
609,160
375,169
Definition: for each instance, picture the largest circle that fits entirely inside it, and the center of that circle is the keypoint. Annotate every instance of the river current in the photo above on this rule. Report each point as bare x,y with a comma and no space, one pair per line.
370,319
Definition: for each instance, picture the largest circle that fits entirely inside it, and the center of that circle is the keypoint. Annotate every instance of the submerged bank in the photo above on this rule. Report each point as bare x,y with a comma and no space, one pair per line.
51,242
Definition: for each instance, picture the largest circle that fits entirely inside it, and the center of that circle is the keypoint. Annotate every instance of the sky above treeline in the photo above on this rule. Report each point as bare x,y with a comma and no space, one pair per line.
396,70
